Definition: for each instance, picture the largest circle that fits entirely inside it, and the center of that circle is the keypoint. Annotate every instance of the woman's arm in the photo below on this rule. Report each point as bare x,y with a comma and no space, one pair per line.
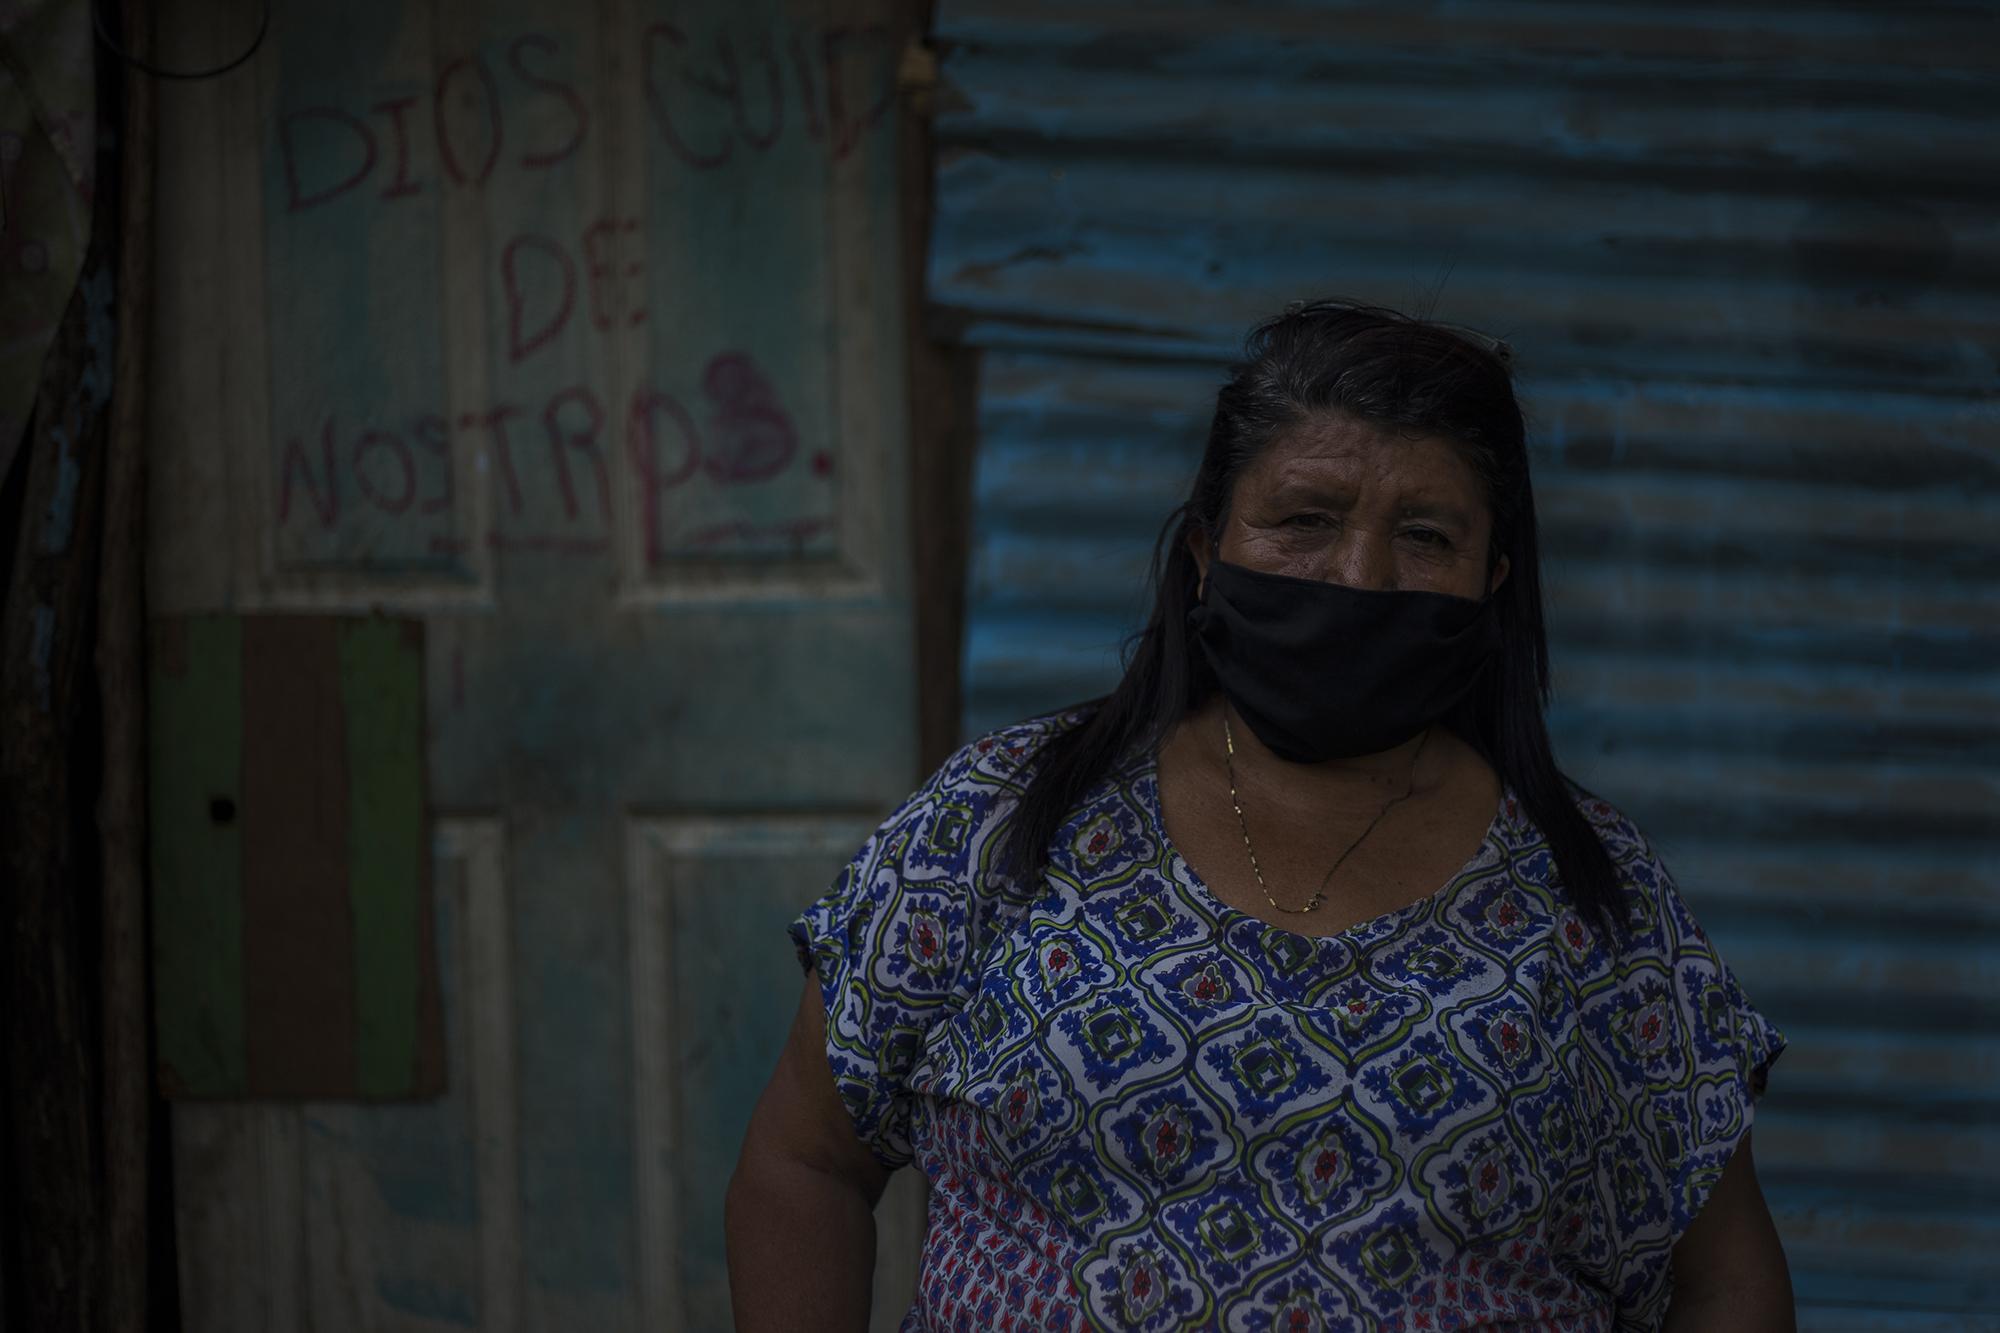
799,1217
1729,1269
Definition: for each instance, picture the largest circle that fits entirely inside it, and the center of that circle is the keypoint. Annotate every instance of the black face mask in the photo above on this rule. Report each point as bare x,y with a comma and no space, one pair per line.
1324,671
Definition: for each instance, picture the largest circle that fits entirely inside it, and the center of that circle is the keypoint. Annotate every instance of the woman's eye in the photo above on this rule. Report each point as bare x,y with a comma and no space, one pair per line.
1307,521
1429,537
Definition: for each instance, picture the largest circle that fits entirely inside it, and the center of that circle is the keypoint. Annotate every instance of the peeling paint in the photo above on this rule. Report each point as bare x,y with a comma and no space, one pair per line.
92,391
100,335
61,519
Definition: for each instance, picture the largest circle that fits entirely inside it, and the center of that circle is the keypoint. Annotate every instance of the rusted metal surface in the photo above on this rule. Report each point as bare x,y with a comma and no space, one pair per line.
1747,259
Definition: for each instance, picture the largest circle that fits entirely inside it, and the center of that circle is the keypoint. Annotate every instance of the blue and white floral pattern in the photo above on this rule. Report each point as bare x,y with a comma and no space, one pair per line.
1142,1109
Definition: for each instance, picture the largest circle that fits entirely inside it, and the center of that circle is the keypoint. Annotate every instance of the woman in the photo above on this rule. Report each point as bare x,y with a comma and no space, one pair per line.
1291,985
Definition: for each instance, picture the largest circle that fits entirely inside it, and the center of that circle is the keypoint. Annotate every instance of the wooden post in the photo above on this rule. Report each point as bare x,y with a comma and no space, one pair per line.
942,390
121,802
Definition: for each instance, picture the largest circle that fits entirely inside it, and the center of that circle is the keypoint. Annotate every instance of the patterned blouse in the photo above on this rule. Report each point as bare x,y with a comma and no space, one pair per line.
1139,1108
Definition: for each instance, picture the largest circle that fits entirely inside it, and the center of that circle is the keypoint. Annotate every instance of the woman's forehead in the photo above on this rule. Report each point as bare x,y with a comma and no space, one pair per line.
1331,448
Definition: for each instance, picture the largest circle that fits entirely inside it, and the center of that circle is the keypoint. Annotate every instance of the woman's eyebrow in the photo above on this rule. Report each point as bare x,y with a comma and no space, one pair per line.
1442,510
1335,494
1300,490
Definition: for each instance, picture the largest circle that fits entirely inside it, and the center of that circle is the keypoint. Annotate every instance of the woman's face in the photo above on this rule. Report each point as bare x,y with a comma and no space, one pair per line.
1339,499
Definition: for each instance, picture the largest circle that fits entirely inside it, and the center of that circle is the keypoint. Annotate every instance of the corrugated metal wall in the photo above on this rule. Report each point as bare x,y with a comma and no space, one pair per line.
1749,259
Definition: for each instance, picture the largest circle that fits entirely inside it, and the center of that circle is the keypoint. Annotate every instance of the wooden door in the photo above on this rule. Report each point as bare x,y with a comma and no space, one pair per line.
575,331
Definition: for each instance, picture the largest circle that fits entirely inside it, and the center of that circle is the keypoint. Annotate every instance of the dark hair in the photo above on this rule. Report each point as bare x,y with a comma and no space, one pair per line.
1388,369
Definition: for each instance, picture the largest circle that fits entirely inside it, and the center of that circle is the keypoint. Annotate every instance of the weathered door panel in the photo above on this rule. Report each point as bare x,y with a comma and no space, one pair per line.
577,332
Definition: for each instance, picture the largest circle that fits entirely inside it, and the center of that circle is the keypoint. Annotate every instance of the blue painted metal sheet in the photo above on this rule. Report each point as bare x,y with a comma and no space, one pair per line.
1749,261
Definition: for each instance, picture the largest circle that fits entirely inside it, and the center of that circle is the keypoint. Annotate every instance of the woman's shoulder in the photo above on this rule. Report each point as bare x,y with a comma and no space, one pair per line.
1623,840
1657,917
1004,758
1621,835
1645,890
950,826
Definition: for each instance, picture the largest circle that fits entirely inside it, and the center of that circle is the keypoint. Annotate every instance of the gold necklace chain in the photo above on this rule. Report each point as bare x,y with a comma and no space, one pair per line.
1229,762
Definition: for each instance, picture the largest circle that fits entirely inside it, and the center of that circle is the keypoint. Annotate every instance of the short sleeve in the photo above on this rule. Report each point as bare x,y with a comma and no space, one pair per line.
1687,1057
896,940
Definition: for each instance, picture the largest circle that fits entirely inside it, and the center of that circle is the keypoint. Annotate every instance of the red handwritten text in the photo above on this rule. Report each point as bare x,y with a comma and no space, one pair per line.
711,98
563,448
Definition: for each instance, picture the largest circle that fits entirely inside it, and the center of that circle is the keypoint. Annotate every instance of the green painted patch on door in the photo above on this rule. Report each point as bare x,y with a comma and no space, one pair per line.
291,890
